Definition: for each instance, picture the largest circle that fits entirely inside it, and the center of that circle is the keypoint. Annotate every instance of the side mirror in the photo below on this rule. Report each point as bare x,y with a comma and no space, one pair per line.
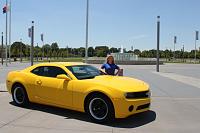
63,76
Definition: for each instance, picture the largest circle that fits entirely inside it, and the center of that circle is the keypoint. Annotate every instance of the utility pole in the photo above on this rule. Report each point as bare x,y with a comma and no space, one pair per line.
2,48
32,43
158,44
86,40
21,50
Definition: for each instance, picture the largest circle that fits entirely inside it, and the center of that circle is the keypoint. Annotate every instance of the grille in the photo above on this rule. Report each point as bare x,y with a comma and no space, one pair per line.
143,106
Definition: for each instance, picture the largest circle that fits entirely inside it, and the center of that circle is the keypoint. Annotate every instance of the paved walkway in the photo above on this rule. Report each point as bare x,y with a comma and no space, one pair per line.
180,78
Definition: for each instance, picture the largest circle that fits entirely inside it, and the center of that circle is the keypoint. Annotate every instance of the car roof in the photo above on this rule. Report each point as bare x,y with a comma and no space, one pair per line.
69,63
62,63
54,64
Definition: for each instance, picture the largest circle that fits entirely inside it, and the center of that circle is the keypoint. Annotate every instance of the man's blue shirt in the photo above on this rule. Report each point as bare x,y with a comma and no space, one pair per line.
109,68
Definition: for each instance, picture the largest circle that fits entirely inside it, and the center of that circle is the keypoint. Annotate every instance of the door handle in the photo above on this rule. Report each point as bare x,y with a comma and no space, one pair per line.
39,82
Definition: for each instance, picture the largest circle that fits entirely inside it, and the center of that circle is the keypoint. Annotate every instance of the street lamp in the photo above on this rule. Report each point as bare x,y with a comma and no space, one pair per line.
86,39
6,33
2,48
32,43
10,30
158,44
175,41
195,52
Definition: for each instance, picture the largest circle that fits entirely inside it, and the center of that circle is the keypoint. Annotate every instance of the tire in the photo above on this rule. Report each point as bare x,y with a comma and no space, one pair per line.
100,108
19,95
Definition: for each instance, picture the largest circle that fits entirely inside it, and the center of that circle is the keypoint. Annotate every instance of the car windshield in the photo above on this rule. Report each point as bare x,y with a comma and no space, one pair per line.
84,71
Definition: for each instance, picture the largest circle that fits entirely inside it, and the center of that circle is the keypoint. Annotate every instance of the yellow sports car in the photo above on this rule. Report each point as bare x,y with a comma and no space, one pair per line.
79,87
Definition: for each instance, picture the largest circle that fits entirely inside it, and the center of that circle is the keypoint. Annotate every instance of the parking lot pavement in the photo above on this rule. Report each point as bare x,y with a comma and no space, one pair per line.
13,66
175,107
39,118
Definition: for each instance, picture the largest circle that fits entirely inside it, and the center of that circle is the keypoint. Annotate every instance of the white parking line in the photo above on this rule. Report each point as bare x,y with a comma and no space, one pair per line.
180,78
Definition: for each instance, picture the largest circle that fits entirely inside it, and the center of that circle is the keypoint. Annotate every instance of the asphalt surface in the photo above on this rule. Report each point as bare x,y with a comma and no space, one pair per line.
175,106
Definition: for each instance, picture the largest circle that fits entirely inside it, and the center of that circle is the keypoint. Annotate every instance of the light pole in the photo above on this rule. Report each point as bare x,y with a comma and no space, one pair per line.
2,48
6,32
10,27
175,41
32,43
158,44
42,39
183,53
86,39
195,52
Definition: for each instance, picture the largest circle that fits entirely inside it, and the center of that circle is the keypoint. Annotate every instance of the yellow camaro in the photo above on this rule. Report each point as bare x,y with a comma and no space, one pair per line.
79,87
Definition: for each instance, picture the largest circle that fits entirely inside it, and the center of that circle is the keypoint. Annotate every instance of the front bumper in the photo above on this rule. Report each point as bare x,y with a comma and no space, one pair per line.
123,107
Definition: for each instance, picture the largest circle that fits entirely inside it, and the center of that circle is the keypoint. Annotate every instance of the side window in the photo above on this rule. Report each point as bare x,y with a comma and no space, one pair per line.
38,71
54,71
48,71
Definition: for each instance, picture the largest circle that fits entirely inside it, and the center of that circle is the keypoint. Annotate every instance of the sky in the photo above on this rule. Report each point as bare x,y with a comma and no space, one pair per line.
113,23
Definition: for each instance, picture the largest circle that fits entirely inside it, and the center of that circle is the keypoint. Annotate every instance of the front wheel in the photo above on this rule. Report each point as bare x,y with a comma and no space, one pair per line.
100,108
19,95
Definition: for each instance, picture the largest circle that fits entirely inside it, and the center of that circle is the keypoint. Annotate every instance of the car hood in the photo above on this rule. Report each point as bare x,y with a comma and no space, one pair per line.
124,84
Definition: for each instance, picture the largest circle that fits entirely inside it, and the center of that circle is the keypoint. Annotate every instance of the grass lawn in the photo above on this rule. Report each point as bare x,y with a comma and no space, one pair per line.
73,59
64,60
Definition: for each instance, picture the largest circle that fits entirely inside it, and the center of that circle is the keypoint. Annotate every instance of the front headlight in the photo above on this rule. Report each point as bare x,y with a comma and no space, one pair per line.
136,95
129,95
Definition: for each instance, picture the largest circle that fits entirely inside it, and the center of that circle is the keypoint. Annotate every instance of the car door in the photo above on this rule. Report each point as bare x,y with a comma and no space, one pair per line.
51,90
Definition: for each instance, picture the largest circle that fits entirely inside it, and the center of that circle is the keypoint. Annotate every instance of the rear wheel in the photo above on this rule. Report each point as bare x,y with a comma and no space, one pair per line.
100,108
19,95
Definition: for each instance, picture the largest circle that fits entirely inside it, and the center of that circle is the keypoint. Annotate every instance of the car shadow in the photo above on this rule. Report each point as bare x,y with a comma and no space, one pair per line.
3,91
133,121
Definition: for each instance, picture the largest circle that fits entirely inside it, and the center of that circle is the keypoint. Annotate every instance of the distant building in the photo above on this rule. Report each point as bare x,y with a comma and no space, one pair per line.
125,56
121,56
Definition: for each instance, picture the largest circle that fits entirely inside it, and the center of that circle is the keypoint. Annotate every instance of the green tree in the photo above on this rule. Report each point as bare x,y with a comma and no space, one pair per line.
47,50
15,49
81,51
137,52
114,50
91,52
102,51
144,53
54,49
